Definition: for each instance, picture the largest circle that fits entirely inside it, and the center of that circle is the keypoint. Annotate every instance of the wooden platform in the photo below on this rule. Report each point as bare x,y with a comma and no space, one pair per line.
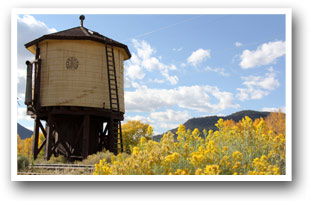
76,131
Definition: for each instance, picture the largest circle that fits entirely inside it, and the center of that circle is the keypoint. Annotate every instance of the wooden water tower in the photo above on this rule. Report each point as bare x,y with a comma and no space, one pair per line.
76,85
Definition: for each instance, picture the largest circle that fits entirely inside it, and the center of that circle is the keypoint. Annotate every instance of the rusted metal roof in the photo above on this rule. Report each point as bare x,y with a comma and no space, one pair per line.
79,33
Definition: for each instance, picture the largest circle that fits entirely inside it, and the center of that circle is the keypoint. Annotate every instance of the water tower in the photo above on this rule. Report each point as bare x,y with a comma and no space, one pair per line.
76,85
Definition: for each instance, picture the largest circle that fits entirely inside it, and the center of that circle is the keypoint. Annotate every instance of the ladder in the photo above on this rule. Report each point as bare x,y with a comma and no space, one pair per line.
113,91
118,139
114,100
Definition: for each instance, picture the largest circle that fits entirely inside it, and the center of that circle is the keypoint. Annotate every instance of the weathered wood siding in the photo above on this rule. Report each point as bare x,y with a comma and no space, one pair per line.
86,86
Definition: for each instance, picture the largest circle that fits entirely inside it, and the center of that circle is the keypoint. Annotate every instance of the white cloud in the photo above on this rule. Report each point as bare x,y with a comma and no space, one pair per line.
127,82
158,81
144,59
257,86
135,72
167,120
28,29
251,93
238,44
29,127
273,109
131,83
198,98
22,114
143,48
152,63
134,59
168,126
268,82
265,54
198,56
142,119
270,109
170,116
172,79
31,22
220,71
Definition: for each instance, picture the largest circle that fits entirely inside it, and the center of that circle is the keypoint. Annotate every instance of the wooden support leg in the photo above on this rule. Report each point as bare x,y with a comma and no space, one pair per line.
55,142
49,138
85,136
42,145
35,149
121,136
100,140
75,145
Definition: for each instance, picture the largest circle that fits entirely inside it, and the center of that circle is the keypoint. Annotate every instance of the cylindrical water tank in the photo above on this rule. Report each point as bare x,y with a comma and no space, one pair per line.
74,68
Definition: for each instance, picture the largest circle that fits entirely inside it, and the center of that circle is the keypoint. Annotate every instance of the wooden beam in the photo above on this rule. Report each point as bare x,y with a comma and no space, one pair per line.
37,55
49,138
64,144
53,150
111,140
62,141
38,104
121,136
37,78
101,136
77,138
35,138
85,136
41,146
99,113
42,129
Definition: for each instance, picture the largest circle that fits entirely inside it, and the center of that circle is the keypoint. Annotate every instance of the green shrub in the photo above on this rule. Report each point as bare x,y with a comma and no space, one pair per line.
57,160
22,163
95,158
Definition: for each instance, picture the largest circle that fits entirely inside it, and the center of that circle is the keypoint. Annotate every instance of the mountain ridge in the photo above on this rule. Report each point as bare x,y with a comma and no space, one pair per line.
209,122
23,132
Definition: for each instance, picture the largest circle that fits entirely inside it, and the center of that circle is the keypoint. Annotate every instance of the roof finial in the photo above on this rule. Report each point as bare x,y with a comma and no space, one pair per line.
82,18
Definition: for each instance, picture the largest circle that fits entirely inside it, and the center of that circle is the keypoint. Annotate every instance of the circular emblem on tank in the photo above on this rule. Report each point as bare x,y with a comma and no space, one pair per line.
72,63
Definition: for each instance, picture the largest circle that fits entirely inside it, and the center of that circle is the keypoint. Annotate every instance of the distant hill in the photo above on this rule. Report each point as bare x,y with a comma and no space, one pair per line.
210,121
23,132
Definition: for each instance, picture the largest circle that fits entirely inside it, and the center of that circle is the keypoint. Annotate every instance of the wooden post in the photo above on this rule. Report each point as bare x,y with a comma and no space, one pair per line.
37,74
85,136
35,150
81,130
100,140
38,82
49,138
120,135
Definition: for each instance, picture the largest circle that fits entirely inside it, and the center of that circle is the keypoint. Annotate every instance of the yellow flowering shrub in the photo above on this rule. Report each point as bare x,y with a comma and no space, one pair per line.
24,146
133,132
246,147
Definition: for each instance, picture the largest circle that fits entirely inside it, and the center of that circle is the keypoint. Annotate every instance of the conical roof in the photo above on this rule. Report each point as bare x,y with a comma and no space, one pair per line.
79,33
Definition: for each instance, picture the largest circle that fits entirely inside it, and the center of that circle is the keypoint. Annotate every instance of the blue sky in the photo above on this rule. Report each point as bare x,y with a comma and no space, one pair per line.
182,66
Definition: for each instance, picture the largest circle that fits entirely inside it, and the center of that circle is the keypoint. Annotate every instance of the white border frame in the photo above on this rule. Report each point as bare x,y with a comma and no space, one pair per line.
288,94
